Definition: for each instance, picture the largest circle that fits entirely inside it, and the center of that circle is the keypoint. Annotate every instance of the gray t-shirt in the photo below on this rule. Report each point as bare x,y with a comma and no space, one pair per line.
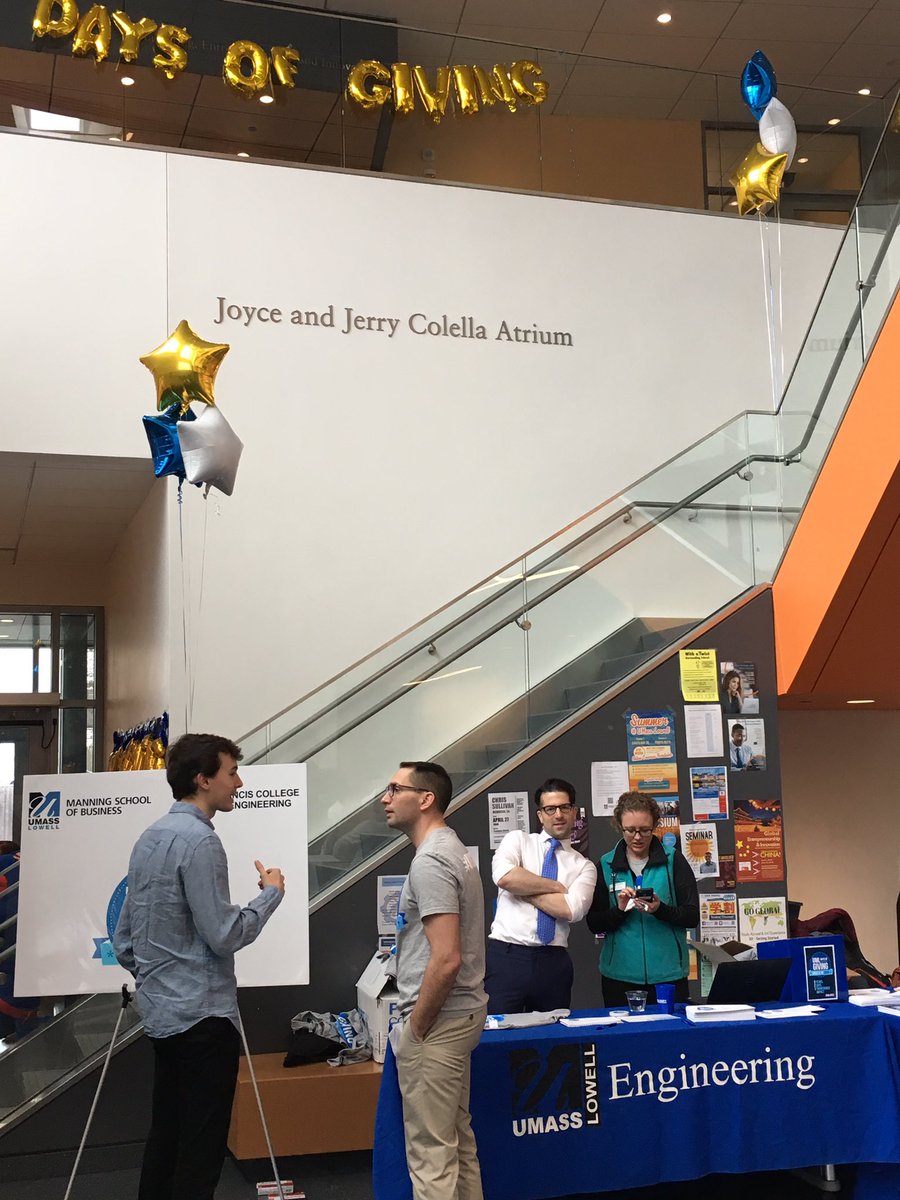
441,879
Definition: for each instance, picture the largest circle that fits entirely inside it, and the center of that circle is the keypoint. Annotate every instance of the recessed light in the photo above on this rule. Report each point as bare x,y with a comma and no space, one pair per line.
242,154
865,91
835,121
664,18
860,701
126,81
4,635
732,203
802,160
267,98
6,620
115,138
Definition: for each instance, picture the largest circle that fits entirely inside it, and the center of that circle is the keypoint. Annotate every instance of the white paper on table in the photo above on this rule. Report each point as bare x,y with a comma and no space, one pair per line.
635,1018
703,730
892,1009
508,811
586,1022
608,781
802,1010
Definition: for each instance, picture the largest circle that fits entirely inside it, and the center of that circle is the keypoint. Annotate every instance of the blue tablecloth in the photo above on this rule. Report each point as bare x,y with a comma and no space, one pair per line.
559,1111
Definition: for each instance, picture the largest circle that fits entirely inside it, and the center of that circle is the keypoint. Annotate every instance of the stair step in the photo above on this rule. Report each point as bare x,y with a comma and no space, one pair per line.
539,723
656,639
500,751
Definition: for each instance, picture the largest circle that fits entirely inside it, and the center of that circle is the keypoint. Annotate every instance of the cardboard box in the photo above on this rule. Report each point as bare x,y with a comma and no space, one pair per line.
377,999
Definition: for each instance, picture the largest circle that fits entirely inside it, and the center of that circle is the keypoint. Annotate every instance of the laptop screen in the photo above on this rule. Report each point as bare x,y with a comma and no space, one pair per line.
752,982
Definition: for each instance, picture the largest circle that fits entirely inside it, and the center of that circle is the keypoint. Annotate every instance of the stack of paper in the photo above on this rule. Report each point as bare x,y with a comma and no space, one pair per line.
699,1014
799,1010
588,1022
873,997
637,1018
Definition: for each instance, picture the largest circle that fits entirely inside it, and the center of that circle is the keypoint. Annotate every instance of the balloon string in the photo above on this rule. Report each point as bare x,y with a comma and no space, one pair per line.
769,296
184,602
199,614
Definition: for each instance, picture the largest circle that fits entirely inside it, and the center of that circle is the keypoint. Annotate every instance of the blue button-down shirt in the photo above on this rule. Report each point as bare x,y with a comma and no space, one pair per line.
179,931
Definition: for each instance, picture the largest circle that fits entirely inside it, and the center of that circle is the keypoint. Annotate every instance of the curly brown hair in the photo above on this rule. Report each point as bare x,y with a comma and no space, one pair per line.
635,802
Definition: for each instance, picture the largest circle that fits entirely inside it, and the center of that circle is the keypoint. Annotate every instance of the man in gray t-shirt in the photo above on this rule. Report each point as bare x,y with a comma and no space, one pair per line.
440,977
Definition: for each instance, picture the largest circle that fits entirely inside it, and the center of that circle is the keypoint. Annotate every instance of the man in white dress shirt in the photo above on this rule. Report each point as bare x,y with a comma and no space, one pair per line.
543,887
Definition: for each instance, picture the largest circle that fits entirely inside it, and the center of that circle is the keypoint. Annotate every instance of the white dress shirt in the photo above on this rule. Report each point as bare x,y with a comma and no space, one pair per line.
516,919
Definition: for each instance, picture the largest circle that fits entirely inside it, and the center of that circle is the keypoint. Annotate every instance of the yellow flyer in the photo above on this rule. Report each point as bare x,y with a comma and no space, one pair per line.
653,777
699,679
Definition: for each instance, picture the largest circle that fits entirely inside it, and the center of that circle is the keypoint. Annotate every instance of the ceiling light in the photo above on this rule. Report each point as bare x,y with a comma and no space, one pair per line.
126,81
802,160
664,18
865,91
267,98
242,154
6,620
835,121
115,138
732,203
4,635
860,701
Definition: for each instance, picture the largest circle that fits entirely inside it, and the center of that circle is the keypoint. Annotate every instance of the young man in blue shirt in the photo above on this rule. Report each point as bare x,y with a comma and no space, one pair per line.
177,935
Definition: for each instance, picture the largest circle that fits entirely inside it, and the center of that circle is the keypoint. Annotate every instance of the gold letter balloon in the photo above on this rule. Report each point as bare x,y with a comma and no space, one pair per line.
93,33
286,63
235,56
45,24
133,33
171,39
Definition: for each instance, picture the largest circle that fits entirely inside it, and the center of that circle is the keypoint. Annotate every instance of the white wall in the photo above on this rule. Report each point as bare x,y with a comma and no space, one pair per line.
838,773
381,476
139,638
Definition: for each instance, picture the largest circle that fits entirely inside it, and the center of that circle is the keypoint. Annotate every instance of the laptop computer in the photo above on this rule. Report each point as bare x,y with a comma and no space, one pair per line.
752,982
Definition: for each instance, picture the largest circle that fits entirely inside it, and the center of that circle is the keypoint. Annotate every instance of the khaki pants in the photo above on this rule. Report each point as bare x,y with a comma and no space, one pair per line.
434,1084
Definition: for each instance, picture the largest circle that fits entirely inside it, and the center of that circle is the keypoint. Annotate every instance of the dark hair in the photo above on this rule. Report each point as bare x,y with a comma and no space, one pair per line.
554,785
738,725
196,754
729,675
9,848
433,778
635,802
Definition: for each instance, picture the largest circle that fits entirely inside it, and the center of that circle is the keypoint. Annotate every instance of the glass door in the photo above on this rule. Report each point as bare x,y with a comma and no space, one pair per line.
27,747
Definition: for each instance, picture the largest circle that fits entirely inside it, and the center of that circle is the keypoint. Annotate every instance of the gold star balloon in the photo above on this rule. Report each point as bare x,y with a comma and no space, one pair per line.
186,366
757,181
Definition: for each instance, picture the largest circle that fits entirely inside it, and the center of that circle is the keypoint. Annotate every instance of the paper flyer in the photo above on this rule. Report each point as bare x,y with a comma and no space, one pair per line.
388,902
700,846
718,918
581,834
758,841
762,919
653,777
738,690
709,793
699,680
608,781
703,730
650,736
727,873
669,822
508,811
746,744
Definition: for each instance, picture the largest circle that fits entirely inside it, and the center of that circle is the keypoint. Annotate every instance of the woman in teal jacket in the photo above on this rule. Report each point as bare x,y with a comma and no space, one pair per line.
645,940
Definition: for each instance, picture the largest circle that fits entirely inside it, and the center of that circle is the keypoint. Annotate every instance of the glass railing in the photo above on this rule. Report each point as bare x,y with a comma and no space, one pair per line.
475,683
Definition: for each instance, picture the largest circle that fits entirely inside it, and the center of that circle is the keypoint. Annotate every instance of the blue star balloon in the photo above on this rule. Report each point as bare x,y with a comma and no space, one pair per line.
162,434
758,84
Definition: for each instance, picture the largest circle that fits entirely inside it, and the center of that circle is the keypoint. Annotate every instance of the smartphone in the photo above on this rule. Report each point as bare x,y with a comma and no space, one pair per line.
644,894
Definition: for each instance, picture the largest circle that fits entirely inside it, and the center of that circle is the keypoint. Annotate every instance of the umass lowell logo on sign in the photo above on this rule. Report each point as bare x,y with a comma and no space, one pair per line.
554,1088
43,811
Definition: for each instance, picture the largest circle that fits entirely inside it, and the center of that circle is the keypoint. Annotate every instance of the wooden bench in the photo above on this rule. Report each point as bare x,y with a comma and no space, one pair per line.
314,1109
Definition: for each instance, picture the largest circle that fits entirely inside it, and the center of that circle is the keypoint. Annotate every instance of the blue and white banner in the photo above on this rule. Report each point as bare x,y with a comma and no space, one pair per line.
77,835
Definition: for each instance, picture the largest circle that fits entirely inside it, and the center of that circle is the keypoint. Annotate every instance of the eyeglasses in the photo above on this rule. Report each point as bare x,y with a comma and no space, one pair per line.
551,810
393,788
630,833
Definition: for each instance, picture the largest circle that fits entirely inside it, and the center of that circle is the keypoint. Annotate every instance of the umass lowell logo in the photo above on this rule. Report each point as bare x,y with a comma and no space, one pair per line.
43,810
554,1088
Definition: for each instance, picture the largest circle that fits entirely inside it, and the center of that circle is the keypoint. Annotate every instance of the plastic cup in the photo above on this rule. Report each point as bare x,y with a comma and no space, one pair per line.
665,997
637,1001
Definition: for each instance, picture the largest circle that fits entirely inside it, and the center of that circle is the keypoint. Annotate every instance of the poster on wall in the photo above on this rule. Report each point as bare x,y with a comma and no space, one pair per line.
718,918
758,841
727,880
77,839
650,736
669,822
738,690
746,744
700,846
388,903
699,682
709,793
653,777
608,781
762,919
703,730
508,811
